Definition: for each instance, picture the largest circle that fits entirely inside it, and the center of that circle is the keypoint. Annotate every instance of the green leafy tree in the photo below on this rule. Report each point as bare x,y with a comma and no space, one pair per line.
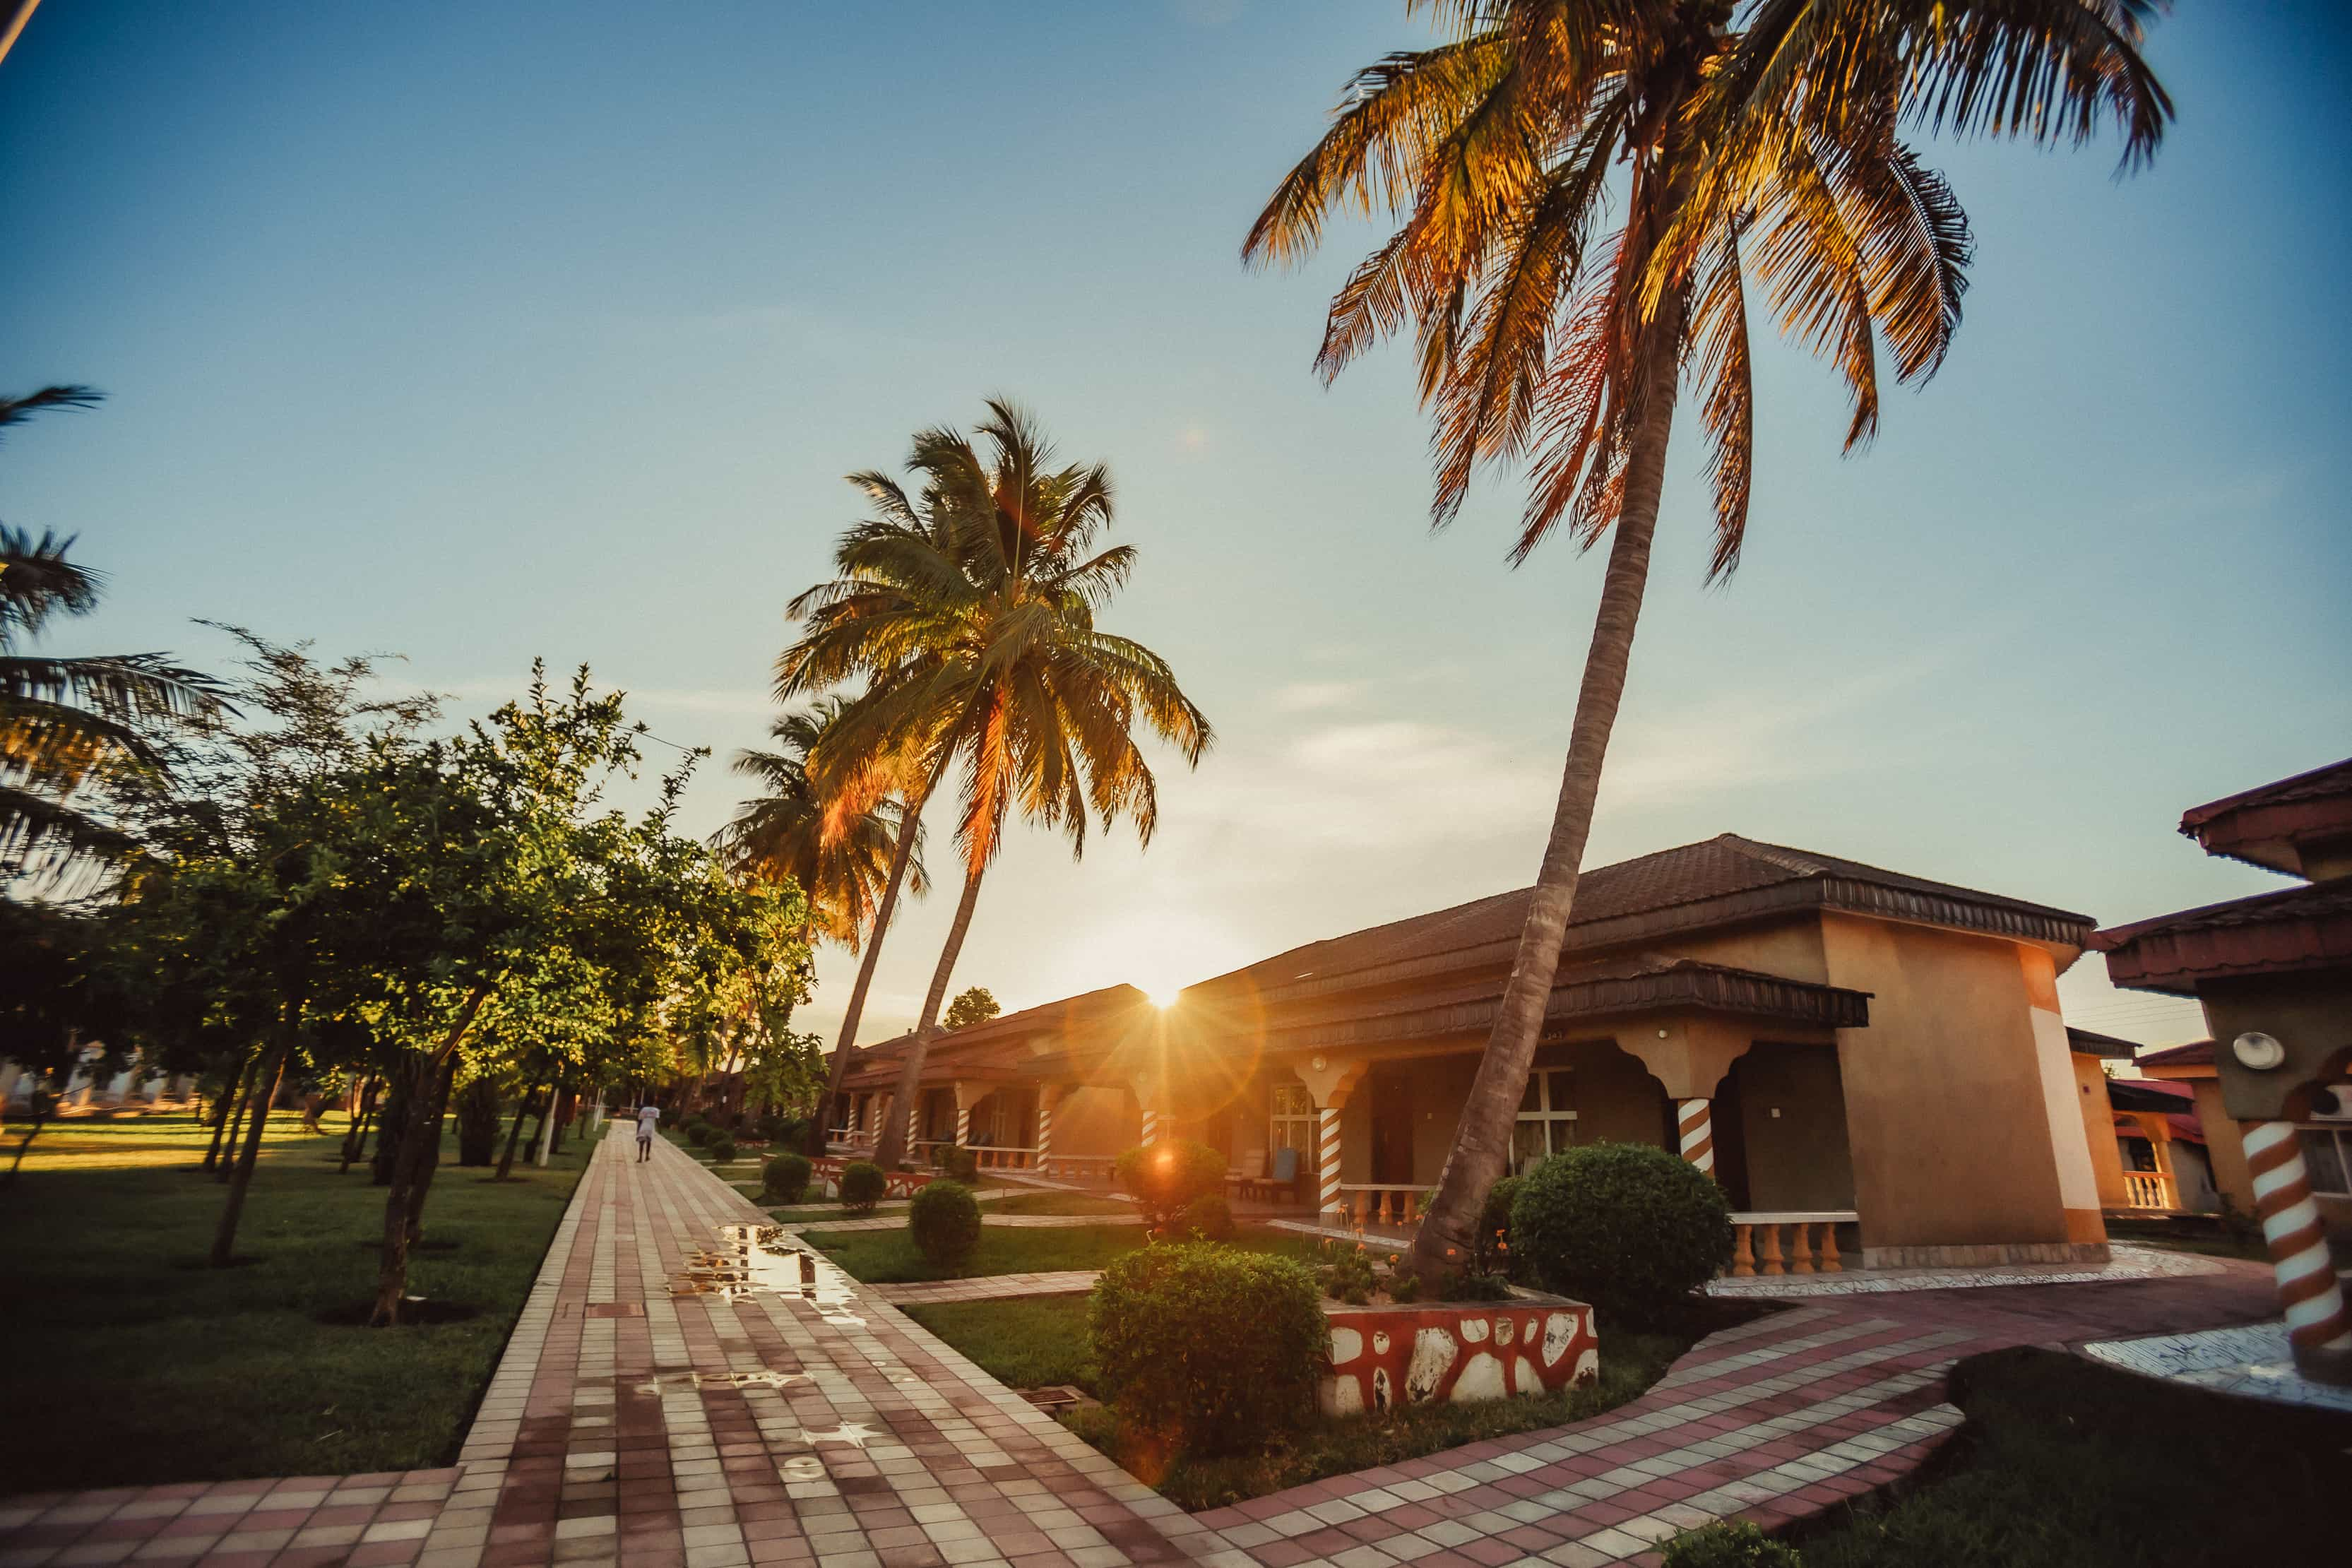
975,1005
969,607
1586,192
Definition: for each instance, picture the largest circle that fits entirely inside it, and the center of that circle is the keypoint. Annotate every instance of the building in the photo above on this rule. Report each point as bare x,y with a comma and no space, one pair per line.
1866,1059
2274,974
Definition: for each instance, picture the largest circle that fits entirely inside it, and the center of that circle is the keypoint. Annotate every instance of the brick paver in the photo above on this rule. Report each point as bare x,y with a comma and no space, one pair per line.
686,1389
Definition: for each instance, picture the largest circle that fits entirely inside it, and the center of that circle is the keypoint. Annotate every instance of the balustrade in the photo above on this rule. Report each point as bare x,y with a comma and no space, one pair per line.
2149,1190
1756,1243
1379,1202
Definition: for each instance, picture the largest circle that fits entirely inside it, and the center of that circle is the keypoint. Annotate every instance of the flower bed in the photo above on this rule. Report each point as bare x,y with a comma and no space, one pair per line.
1387,1355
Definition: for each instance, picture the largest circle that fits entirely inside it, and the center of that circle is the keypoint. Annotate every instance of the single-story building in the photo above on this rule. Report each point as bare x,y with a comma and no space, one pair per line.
1862,1058
2274,974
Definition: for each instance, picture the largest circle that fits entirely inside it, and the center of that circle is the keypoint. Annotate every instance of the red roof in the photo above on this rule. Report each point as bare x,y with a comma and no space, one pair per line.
2269,826
2299,928
2196,1054
2183,1122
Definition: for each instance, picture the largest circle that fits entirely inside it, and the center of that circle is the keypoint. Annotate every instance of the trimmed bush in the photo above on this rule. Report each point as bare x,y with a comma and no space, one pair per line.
721,1147
1207,1217
1404,1286
786,1178
1209,1349
1492,1242
699,1133
1729,1545
477,1123
957,1165
945,1221
1630,1229
1164,1178
862,1186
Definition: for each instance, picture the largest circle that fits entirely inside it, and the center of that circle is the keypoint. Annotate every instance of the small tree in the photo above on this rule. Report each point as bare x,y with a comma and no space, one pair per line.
975,1006
1166,1178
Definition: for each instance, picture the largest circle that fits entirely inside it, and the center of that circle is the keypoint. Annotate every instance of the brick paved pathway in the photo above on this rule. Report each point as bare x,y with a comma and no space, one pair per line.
676,1396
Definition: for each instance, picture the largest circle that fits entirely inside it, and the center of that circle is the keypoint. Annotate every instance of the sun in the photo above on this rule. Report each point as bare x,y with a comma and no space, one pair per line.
1164,997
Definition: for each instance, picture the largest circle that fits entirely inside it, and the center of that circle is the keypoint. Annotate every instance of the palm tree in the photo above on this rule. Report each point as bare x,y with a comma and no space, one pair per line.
969,608
66,721
1585,189
842,853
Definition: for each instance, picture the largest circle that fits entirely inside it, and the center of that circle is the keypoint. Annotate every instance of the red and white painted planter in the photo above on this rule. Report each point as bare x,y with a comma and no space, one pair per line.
825,1170
1384,1356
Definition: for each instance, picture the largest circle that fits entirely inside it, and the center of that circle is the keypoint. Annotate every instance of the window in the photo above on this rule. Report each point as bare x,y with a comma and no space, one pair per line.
1293,1124
2327,1155
1547,1121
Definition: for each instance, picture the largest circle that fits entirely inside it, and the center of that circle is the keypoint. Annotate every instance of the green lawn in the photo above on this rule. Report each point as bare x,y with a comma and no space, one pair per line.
888,1257
818,1212
132,1364
1043,1340
2067,1464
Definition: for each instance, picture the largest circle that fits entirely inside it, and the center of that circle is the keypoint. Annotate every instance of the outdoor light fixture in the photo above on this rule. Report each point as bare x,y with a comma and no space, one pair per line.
1316,1064
2259,1051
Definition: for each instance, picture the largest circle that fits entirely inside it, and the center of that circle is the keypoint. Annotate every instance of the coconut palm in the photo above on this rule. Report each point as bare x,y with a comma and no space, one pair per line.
968,607
844,854
1586,191
65,722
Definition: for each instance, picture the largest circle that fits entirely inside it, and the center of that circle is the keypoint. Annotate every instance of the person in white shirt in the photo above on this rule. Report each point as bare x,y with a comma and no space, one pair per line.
648,1117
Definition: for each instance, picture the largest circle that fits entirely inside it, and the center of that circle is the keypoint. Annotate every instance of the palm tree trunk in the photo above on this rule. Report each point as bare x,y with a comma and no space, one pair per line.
893,1148
241,1177
900,854
1482,1143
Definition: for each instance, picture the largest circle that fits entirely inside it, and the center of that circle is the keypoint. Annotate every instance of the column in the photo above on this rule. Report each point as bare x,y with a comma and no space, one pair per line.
2309,1295
963,1117
1698,1131
1046,1096
1326,1160
1150,1126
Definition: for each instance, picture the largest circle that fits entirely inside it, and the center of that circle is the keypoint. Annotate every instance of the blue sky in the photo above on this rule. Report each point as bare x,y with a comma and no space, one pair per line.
476,332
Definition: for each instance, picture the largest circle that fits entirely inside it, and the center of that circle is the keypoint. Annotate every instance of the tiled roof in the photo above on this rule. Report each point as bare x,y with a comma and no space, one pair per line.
2299,928
2196,1054
1608,898
2095,1045
1010,1028
2319,784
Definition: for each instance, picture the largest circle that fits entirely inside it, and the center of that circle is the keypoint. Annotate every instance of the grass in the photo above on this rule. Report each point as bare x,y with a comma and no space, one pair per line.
1057,1203
1027,1342
2065,1462
888,1257
134,1366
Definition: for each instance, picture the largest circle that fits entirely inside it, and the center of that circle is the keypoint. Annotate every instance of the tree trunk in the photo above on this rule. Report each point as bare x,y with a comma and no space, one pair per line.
424,1188
893,1150
564,1100
247,1080
1482,1143
542,1135
900,853
514,1133
42,1105
225,1237
231,1099
400,1090
409,1169
356,1142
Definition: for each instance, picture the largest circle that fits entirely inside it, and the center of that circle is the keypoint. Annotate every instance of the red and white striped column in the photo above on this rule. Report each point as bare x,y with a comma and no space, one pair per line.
1150,1126
1045,1132
963,1123
1698,1130
1327,1160
2309,1295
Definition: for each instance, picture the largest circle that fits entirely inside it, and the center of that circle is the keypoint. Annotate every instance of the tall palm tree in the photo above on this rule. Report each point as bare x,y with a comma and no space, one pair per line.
844,852
970,607
64,721
1585,190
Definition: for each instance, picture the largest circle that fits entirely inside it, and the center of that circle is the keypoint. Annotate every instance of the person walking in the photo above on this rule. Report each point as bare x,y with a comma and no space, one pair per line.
648,1118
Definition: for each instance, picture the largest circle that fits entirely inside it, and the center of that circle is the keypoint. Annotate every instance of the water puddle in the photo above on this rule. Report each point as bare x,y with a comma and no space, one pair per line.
763,1259
698,1380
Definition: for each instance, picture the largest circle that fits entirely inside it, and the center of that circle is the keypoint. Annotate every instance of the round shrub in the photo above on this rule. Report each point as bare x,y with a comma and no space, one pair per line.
786,1179
1206,1348
1729,1545
862,1186
957,1165
1165,1177
945,1220
699,1133
1209,1217
1630,1229
722,1146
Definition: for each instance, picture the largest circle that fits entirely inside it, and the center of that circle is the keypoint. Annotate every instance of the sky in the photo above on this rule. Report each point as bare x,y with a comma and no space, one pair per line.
481,332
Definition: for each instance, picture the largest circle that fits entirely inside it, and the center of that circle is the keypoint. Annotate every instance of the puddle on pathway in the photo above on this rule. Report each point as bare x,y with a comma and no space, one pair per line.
698,1380
764,1259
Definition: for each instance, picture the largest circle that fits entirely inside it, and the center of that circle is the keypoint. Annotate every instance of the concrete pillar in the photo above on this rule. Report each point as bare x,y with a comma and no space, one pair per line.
1150,1126
1694,1121
1049,1098
1327,1160
2309,1295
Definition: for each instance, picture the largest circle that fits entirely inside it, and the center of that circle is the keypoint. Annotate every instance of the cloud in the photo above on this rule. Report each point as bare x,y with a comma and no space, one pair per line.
1306,696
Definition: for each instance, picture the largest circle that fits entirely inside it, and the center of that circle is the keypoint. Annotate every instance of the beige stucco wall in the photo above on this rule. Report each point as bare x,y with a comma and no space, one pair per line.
1945,1110
2099,1130
1792,948
1799,1160
2225,1147
1097,1121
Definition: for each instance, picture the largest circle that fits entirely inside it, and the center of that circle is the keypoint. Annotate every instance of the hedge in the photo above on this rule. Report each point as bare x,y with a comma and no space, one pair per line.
1630,1229
1208,1349
945,1221
862,1186
786,1179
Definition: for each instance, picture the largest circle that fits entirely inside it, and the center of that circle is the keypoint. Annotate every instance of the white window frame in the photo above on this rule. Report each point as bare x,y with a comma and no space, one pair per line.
1558,1124
2342,1134
1290,1120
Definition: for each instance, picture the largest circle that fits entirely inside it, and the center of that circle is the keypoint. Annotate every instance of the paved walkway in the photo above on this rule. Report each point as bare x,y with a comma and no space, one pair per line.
686,1390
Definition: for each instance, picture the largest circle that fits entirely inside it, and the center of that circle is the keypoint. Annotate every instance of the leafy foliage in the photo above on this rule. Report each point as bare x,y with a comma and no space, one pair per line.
1207,1348
477,1121
1630,1229
957,1164
1207,1217
862,1186
1493,1241
786,1178
976,1005
1167,1177
723,1148
944,1220
1729,1544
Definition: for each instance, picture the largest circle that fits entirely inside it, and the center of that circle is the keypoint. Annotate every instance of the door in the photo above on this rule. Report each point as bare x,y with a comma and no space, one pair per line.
1391,1129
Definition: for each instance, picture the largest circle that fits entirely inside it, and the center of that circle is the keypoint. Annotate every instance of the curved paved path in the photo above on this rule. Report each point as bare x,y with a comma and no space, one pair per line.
674,1394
